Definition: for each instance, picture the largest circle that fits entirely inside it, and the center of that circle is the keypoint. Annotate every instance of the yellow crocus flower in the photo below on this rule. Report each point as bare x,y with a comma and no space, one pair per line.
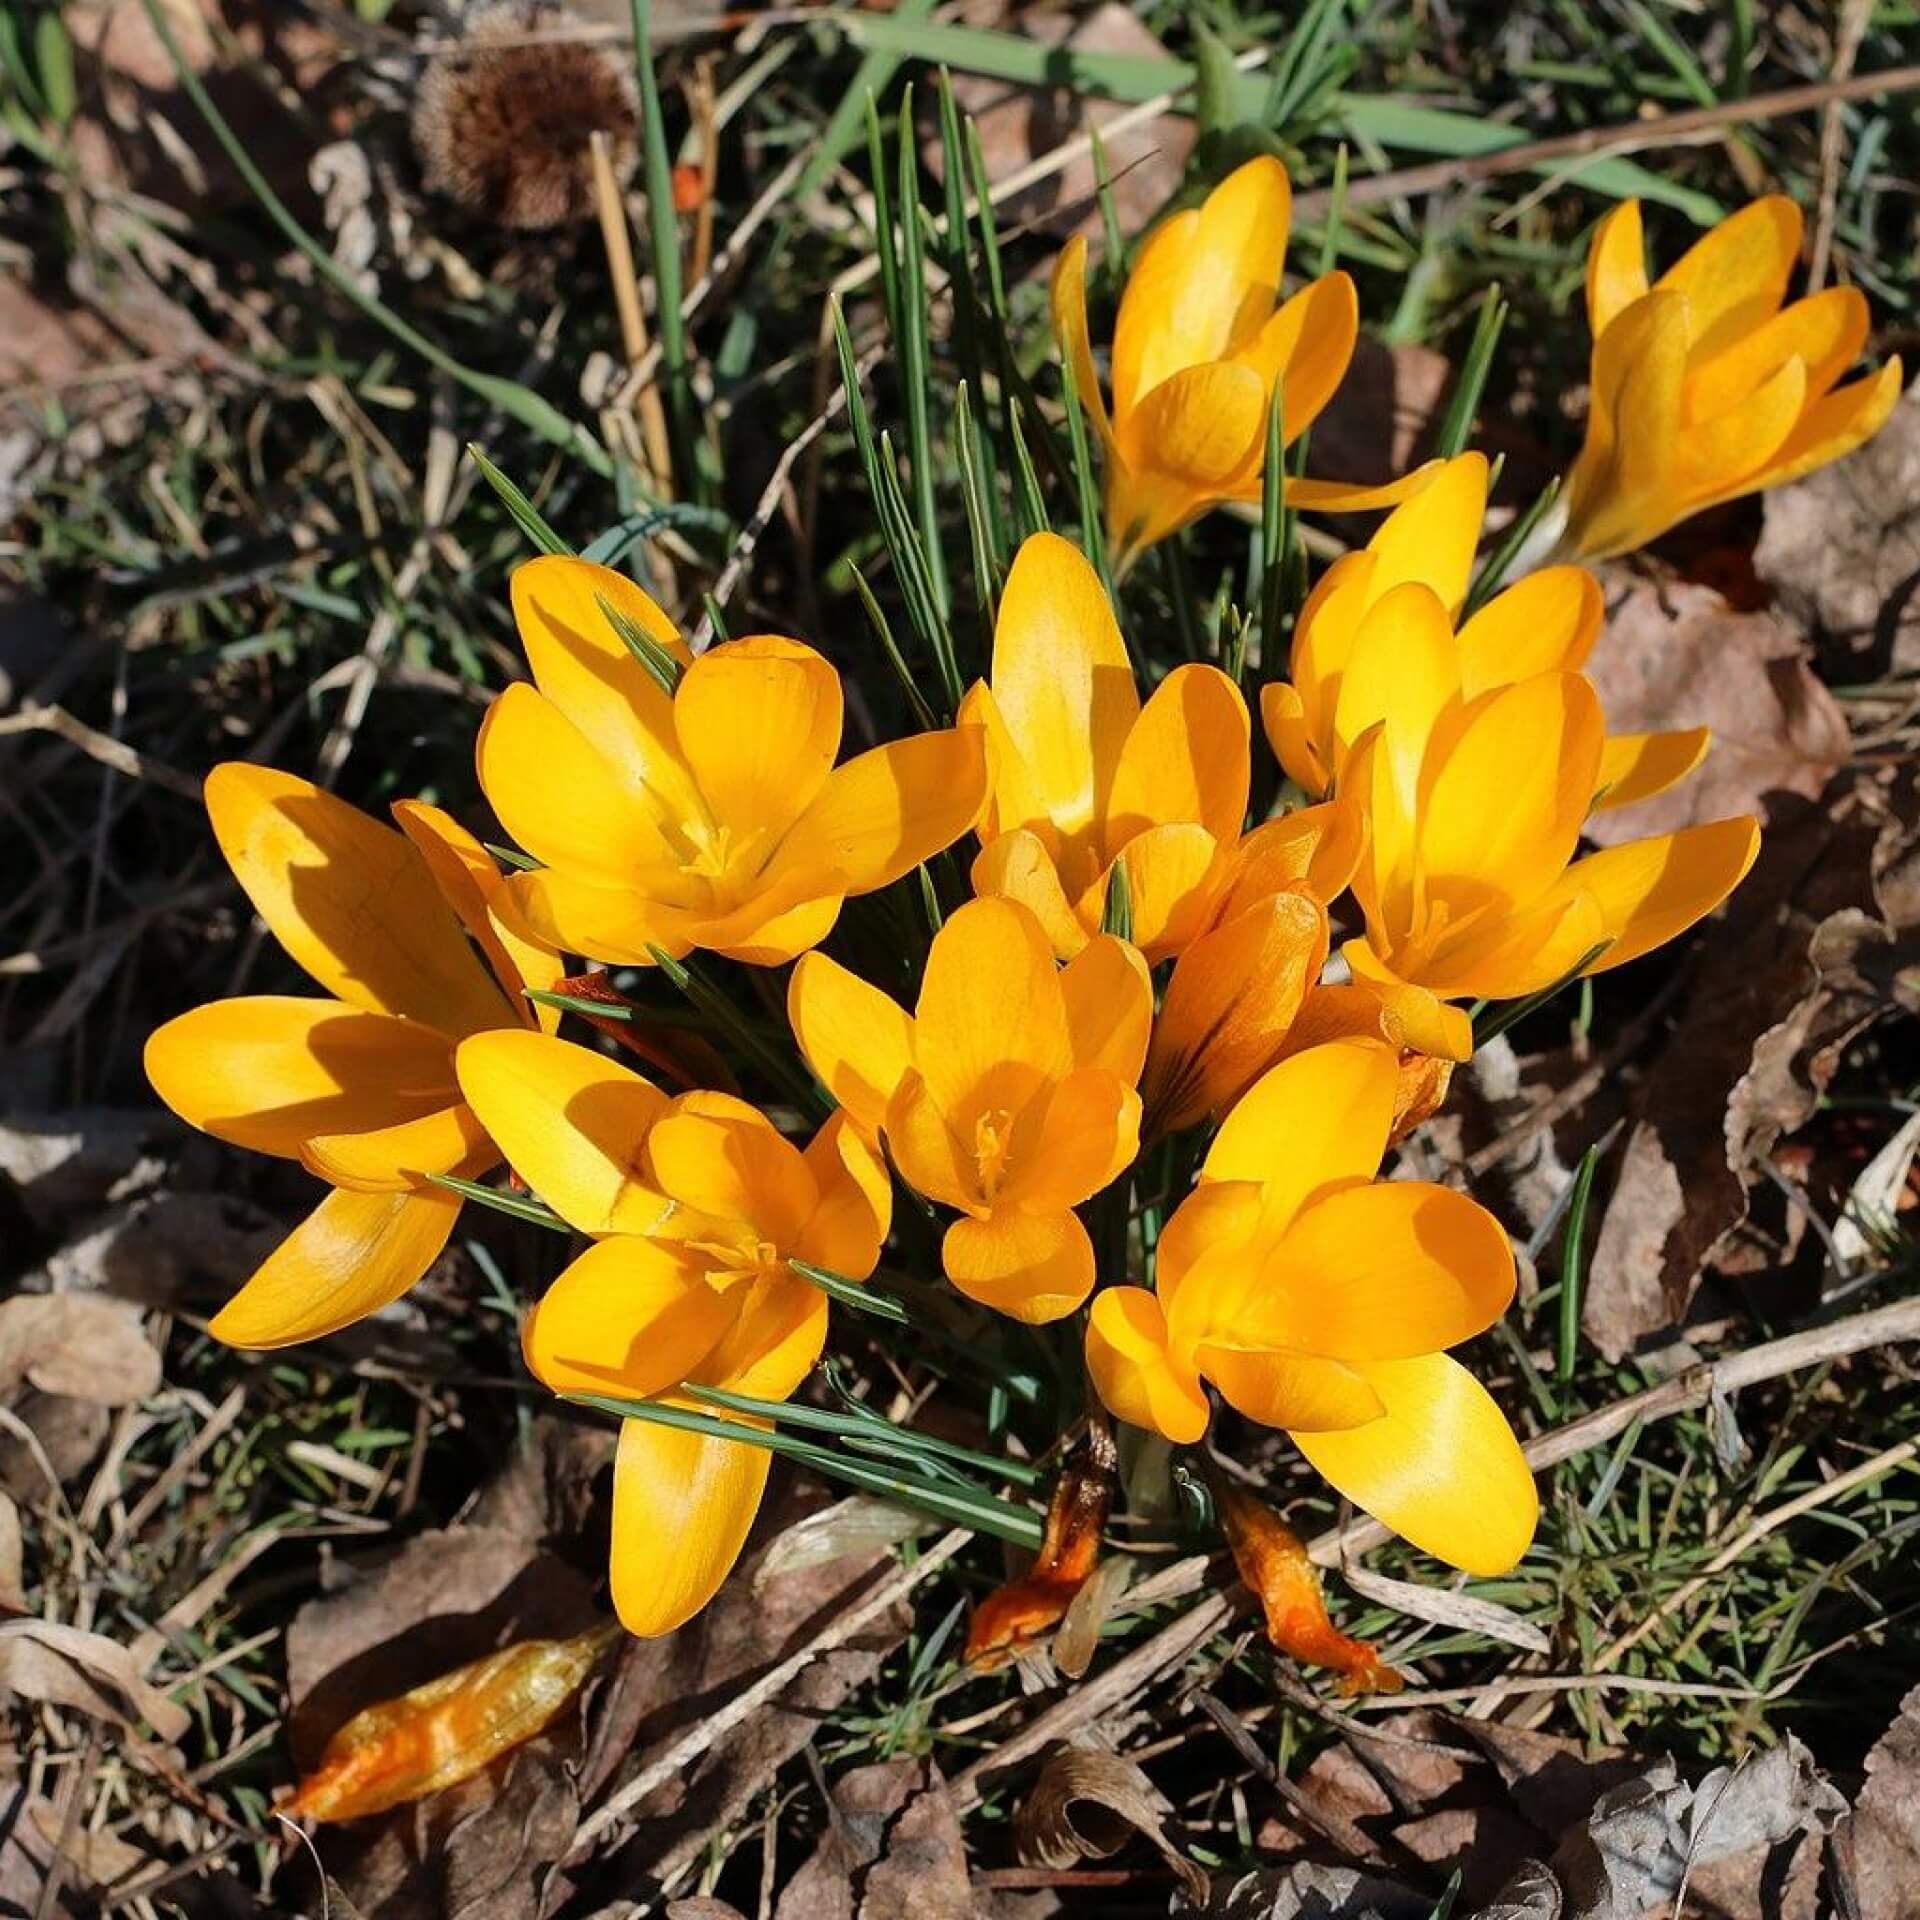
1201,341
1318,1300
1085,782
1469,883
358,1086
711,817
1008,1094
1704,386
697,1205
1380,638
1083,779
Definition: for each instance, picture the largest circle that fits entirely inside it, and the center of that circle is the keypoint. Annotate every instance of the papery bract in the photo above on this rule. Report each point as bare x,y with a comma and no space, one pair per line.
358,1086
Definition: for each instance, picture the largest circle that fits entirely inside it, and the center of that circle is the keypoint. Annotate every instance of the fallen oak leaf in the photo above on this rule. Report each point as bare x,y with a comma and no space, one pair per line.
1086,1805
66,1666
448,1730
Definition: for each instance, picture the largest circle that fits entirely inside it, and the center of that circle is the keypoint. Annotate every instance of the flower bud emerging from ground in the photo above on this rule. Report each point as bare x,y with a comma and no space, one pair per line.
501,119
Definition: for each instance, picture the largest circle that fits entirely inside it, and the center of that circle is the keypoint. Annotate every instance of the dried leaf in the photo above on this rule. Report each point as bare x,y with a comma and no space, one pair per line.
1841,549
1675,655
1086,1805
862,1523
1309,1890
1446,1608
1091,1608
1645,1839
1801,961
448,1730
1885,1829
69,1667
893,1852
77,1344
101,1857
13,1592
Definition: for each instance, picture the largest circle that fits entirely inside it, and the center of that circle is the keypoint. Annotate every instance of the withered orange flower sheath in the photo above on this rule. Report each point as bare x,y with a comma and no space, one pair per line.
1011,1618
1273,1561
446,1731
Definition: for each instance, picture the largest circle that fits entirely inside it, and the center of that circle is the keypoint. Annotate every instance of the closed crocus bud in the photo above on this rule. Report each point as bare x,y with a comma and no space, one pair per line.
1705,384
1202,342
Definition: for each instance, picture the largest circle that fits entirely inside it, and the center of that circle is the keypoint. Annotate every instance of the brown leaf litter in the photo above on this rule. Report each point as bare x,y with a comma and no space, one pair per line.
1805,957
1841,551
1675,655
892,1851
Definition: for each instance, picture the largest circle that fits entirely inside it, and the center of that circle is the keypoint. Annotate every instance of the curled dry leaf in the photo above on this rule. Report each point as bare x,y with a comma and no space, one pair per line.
1675,656
1086,1805
77,1344
1444,1607
69,1667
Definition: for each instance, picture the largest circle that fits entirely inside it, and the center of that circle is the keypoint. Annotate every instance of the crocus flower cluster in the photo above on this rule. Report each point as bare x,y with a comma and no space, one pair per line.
1118,959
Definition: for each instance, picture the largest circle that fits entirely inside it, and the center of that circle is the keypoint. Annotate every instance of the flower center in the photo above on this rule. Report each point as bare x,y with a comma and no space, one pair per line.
992,1140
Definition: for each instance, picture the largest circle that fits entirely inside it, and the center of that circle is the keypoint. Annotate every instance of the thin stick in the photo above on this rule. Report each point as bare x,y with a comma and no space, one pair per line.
103,747
617,238
744,1705
1666,129
1852,30
1128,1676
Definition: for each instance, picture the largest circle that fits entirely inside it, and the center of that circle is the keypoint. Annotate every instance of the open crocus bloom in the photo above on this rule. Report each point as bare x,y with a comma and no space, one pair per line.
359,1086
710,817
1468,883
1704,386
1377,641
1083,778
1201,342
1007,1095
1318,1300
699,1204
